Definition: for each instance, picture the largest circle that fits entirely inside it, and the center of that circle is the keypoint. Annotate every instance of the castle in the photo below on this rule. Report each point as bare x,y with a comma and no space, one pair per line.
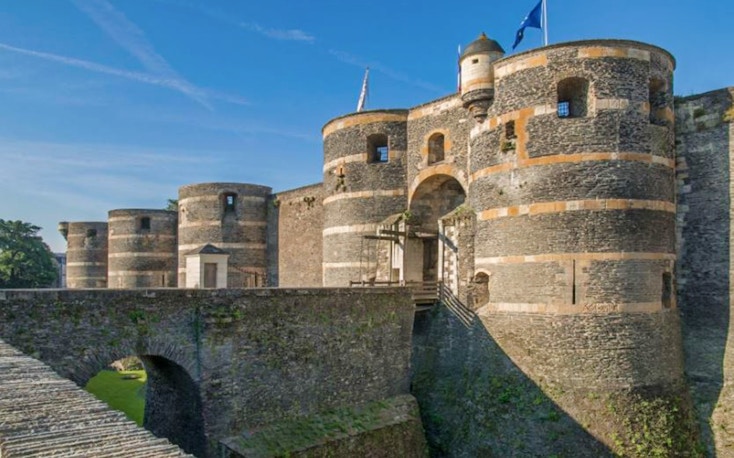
573,206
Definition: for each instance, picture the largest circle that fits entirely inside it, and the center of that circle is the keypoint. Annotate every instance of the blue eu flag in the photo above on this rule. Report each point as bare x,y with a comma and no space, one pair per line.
531,20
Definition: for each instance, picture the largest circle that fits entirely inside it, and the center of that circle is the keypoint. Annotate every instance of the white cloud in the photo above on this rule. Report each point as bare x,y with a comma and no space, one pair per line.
218,15
146,78
278,34
129,37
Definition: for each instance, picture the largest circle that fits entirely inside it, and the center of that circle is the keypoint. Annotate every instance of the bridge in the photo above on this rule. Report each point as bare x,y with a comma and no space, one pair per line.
221,362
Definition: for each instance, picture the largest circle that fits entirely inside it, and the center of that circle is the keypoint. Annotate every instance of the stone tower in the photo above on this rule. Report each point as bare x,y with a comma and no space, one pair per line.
477,75
364,183
572,181
142,248
86,254
232,219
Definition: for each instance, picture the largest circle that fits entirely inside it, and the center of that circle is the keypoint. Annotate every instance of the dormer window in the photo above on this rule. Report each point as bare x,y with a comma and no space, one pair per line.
377,149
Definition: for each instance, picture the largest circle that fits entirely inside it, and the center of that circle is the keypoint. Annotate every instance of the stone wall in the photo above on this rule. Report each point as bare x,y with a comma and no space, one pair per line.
705,152
248,358
535,385
299,222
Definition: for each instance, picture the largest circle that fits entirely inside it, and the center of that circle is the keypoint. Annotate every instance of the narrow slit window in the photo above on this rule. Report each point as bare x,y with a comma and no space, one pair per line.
510,130
145,223
230,201
657,97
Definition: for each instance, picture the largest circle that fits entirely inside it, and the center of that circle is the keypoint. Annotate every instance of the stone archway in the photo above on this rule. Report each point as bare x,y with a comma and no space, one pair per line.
435,197
173,406
173,403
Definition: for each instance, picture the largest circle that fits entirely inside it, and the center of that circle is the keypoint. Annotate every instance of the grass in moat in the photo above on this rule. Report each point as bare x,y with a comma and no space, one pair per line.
122,391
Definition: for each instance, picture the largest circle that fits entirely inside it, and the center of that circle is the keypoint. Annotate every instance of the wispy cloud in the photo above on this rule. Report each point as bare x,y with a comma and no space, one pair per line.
278,34
146,78
218,15
357,61
132,39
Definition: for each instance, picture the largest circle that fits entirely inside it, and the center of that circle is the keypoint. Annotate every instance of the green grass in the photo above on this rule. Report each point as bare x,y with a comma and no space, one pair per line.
125,395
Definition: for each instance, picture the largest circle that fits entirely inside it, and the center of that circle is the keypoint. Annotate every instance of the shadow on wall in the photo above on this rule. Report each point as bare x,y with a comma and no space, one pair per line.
475,401
704,262
173,407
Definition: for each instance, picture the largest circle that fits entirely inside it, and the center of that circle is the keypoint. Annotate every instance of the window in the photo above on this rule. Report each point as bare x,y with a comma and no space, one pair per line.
572,98
229,201
667,296
564,109
91,233
656,99
377,149
436,145
144,223
510,130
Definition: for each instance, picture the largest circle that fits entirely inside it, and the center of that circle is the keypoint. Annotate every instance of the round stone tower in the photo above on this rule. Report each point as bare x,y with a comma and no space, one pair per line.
477,75
572,179
364,183
86,254
142,248
232,218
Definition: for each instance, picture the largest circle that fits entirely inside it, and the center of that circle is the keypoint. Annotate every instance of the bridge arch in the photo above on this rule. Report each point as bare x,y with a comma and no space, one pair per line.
173,402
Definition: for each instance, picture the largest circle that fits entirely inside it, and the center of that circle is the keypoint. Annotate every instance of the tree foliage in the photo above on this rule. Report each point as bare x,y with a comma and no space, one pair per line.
25,260
172,205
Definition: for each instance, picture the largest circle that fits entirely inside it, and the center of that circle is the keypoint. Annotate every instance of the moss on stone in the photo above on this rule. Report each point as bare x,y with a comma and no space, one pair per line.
324,431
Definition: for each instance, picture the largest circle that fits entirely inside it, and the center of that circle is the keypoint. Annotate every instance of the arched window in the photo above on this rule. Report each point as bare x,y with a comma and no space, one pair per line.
656,100
377,148
573,98
436,148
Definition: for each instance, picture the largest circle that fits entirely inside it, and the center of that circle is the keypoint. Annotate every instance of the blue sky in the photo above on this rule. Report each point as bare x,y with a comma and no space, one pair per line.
109,104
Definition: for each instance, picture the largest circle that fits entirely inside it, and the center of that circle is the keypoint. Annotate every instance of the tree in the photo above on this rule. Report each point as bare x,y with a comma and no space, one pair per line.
172,205
25,260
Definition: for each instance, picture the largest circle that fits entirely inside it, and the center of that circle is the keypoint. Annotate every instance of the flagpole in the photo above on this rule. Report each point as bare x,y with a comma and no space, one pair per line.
545,23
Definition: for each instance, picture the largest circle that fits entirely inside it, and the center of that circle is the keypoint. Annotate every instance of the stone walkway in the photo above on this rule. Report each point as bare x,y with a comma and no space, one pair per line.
42,414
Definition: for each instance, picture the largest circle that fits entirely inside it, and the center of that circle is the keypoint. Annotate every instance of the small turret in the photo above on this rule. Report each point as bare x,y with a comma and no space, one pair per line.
64,229
477,75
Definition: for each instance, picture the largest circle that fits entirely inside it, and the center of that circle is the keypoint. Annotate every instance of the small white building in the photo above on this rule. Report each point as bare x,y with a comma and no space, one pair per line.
206,267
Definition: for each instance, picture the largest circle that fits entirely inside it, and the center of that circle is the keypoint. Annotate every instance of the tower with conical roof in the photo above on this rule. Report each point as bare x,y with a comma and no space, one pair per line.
477,75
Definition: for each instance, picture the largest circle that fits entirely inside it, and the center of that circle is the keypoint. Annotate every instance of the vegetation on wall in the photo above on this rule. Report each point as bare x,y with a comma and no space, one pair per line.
729,114
25,260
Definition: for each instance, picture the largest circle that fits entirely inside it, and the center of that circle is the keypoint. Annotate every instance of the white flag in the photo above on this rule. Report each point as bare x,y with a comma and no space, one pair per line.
365,90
